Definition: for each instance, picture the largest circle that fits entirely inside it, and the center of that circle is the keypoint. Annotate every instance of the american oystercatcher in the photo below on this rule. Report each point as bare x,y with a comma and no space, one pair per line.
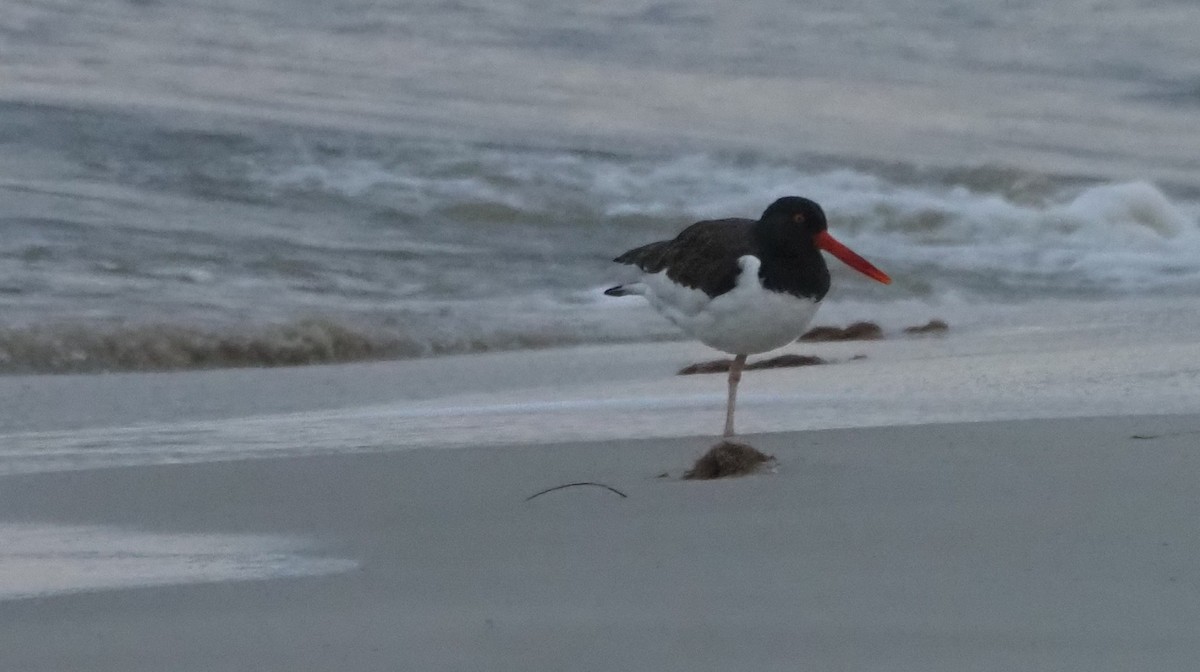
743,286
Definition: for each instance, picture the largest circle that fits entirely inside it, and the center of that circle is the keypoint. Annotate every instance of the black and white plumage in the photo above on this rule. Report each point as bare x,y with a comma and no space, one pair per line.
739,285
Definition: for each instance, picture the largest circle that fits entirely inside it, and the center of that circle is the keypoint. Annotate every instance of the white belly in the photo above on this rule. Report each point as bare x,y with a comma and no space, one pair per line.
746,320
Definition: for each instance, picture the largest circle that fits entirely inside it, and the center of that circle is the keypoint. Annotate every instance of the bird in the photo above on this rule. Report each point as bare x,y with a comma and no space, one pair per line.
742,286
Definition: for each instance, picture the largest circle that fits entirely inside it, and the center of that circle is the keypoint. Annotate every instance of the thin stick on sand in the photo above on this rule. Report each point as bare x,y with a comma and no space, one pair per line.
571,485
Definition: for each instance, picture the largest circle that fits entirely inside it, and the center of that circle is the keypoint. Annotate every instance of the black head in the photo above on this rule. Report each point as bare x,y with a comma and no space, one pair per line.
792,218
795,225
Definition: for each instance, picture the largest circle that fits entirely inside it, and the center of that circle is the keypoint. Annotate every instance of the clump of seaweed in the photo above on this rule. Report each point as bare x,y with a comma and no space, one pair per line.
930,327
780,362
858,331
727,459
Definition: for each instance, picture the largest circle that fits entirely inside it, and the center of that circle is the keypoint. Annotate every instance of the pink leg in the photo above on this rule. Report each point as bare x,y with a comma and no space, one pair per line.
735,375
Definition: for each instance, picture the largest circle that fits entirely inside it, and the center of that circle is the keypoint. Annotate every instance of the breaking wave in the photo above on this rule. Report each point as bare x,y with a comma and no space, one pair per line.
993,232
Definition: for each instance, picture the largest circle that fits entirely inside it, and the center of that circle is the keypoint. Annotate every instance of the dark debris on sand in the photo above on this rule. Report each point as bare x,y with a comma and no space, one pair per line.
858,331
726,459
930,327
780,362
786,361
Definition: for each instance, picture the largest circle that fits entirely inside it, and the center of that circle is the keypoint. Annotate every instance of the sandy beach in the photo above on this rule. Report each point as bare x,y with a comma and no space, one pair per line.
1010,497
1033,545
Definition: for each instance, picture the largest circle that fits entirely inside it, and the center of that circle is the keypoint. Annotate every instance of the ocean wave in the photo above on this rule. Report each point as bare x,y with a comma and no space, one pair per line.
273,222
480,184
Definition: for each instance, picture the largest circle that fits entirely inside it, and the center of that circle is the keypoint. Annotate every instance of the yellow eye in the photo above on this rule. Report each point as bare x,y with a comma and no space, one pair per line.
798,218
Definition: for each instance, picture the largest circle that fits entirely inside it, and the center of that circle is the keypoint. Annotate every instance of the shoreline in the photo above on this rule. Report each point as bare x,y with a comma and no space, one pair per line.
1072,365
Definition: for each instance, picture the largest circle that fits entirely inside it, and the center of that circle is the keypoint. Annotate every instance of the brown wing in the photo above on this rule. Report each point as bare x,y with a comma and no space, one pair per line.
703,256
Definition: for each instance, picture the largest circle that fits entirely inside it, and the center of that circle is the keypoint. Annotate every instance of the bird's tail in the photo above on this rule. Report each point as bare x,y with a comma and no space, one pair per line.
619,290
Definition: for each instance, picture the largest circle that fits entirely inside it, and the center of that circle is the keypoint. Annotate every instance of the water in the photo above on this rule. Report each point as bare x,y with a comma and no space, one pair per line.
204,183
43,560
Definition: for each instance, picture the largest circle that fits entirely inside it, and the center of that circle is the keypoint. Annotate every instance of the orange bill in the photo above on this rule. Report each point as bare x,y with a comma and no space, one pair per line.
826,242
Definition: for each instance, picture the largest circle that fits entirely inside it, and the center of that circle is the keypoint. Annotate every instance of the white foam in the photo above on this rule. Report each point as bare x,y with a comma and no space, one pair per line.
351,178
43,560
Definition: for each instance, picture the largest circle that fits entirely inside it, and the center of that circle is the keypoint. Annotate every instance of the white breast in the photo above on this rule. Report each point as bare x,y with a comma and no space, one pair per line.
746,320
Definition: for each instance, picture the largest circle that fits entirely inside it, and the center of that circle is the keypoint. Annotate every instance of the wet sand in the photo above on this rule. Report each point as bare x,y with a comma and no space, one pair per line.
1059,544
